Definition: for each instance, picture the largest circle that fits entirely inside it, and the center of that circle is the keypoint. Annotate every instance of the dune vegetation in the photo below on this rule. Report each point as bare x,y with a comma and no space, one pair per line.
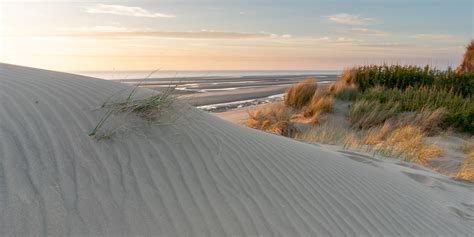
301,94
274,119
393,110
147,108
467,64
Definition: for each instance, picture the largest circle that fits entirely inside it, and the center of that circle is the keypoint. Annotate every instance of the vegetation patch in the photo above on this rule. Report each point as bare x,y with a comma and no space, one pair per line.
459,108
274,119
402,77
393,110
301,94
466,170
467,64
147,108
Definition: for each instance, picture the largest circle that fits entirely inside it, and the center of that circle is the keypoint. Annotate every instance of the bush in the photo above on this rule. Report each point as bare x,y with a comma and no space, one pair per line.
273,118
459,110
402,77
301,94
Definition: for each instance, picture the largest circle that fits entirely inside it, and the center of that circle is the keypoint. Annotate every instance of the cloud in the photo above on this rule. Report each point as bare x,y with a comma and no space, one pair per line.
363,31
104,29
124,11
348,19
389,45
119,32
435,37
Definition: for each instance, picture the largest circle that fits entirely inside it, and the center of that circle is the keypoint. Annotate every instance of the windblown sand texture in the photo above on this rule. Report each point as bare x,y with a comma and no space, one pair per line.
197,175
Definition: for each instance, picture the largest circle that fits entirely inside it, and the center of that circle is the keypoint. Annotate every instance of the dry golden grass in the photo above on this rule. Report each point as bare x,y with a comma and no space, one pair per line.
274,118
301,94
344,88
323,133
320,103
408,143
311,101
351,140
467,64
405,136
467,147
376,135
365,114
405,140
466,170
348,76
427,120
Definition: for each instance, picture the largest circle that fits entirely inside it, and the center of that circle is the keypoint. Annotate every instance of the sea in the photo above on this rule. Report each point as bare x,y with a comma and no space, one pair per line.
118,75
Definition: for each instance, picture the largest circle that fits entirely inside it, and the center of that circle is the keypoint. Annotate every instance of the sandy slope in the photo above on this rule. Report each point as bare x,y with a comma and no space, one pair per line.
198,176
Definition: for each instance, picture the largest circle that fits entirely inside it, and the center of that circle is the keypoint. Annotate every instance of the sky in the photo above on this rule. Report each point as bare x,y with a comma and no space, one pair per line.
233,34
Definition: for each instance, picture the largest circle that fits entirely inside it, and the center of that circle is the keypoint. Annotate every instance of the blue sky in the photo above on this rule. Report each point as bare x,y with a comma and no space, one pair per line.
233,34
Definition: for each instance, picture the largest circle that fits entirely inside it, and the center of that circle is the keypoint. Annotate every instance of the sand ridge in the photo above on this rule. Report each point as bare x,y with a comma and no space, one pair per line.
197,176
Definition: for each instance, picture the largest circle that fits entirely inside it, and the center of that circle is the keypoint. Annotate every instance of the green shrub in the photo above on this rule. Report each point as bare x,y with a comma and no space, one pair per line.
402,77
347,94
460,109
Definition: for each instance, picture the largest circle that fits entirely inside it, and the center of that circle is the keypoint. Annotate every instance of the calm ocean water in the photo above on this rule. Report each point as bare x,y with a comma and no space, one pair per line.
114,75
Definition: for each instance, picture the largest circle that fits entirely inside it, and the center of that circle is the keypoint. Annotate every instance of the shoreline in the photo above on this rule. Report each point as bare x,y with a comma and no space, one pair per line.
223,93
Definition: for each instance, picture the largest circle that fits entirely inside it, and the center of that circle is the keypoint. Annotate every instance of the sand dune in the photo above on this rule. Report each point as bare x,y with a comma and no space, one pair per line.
196,176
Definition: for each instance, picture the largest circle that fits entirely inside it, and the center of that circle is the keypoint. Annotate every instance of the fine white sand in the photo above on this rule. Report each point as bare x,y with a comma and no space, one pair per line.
196,176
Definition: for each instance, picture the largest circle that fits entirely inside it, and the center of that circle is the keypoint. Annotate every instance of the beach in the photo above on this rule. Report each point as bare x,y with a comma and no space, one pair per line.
218,91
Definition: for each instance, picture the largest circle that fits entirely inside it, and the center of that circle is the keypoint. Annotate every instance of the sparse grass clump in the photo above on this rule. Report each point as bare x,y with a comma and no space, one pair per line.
429,121
364,114
376,135
468,147
147,108
323,133
348,93
320,102
309,101
274,118
408,142
301,94
466,170
344,88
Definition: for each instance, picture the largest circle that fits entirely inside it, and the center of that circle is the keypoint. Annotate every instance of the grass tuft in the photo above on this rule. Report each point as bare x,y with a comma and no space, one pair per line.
466,170
365,114
147,108
320,103
344,88
301,94
323,133
273,118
